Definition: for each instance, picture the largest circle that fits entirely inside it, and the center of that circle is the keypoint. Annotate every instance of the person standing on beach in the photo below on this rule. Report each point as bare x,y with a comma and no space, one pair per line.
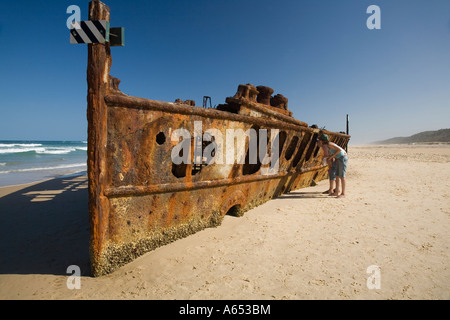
332,166
338,155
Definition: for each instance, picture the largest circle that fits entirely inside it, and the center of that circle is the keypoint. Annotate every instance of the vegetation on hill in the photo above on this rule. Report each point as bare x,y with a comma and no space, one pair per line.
442,136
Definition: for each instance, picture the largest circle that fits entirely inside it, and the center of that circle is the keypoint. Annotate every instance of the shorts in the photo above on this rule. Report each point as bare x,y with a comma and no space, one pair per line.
341,166
332,171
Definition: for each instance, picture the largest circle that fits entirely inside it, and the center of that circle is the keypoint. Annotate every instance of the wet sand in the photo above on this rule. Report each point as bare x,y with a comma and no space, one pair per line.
302,245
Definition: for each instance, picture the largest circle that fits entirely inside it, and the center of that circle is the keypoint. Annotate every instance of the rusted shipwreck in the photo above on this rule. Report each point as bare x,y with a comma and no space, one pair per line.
140,199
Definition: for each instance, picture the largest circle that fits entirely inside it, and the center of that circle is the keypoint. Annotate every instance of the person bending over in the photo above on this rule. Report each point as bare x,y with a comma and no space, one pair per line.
337,154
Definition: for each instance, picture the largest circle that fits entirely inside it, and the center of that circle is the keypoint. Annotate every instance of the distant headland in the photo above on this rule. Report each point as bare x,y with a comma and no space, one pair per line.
426,137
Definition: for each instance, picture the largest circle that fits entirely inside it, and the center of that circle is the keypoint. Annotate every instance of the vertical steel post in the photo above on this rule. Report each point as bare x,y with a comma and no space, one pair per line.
347,132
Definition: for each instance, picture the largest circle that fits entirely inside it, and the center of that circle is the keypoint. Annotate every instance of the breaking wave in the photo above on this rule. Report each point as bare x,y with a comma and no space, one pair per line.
38,149
25,145
67,166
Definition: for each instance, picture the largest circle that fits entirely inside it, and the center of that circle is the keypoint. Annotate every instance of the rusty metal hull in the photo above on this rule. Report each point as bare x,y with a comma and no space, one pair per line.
139,199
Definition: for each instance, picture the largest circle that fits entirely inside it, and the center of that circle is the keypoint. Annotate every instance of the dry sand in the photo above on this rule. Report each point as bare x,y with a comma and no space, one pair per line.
303,245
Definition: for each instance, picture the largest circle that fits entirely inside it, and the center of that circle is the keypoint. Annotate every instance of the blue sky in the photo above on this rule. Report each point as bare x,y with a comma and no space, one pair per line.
319,54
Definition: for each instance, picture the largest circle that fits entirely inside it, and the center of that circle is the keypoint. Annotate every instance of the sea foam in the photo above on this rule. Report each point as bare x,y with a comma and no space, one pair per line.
67,166
9,145
41,150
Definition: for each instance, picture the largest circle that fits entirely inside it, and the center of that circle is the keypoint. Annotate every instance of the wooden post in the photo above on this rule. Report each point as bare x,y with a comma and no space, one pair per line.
99,64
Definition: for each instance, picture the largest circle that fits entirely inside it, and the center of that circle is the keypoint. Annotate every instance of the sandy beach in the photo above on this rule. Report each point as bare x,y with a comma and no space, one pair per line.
302,245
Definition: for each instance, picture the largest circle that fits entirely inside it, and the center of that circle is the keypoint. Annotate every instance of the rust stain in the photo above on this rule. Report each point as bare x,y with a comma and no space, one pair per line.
140,199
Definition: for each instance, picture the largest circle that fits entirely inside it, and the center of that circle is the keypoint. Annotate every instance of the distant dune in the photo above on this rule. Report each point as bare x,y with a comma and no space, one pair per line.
438,136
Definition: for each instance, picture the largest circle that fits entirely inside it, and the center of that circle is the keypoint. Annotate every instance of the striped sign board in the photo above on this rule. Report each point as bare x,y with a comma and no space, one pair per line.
91,31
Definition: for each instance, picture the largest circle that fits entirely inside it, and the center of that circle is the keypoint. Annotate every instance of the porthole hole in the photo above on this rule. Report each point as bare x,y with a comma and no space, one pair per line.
160,138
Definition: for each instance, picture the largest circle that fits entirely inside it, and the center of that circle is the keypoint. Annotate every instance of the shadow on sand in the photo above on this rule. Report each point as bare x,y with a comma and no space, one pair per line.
44,228
301,195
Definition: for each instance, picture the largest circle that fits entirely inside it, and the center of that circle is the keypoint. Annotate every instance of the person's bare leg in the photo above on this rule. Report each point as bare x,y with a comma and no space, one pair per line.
337,190
332,186
342,195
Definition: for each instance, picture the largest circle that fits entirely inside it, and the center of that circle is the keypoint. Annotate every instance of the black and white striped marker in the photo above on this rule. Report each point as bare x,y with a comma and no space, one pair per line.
91,31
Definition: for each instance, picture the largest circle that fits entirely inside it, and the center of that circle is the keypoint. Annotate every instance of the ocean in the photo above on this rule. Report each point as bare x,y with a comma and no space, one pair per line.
30,161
